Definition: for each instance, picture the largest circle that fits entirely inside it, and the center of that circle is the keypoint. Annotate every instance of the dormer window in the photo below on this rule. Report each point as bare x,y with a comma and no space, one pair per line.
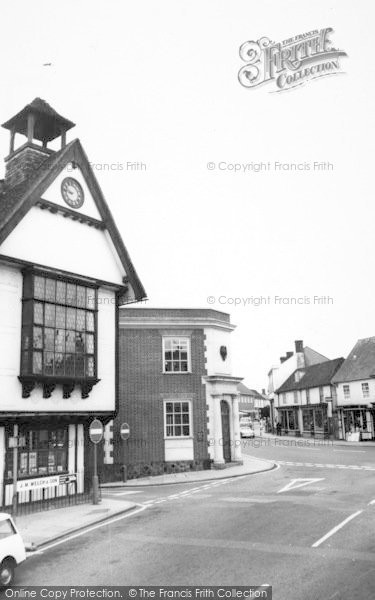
58,333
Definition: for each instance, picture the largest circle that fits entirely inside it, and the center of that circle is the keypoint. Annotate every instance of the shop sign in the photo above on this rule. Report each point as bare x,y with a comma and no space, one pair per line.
25,485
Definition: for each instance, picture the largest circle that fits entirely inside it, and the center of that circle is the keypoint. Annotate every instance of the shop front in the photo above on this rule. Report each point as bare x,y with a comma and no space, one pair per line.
288,421
356,423
315,421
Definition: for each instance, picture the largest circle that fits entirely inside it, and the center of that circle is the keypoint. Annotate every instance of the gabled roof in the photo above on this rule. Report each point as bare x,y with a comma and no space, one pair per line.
314,376
17,201
245,391
360,363
312,357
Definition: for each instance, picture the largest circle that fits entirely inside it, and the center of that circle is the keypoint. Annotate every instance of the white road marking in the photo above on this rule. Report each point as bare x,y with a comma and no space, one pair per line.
298,483
364,451
93,527
372,502
129,492
335,529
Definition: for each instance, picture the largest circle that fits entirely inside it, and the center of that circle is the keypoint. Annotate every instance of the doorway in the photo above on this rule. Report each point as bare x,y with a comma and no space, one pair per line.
225,430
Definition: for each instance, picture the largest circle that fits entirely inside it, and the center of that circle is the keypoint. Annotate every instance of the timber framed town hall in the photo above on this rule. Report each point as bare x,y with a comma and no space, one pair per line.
64,272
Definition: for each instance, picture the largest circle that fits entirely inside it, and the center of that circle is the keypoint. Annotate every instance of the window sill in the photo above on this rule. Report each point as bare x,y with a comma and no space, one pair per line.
49,384
177,373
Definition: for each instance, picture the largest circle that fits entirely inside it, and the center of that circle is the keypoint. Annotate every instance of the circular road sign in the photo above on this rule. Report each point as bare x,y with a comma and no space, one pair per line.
124,431
96,431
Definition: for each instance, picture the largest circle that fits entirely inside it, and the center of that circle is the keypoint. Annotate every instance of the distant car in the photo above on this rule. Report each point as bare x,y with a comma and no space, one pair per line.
246,431
12,549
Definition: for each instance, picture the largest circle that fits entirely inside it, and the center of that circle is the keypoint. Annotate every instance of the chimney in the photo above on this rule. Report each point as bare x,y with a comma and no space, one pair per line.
264,392
282,359
39,123
20,165
300,354
289,354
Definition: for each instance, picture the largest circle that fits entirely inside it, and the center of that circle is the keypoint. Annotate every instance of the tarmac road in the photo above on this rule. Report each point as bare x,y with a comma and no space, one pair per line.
307,528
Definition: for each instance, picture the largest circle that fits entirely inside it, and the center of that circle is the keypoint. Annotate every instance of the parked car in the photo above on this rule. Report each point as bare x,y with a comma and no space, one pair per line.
246,431
12,549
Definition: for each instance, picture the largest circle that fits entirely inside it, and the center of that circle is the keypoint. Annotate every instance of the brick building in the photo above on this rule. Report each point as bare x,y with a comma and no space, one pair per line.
176,392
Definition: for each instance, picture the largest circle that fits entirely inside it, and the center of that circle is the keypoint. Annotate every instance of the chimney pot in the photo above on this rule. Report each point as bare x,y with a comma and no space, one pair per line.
299,345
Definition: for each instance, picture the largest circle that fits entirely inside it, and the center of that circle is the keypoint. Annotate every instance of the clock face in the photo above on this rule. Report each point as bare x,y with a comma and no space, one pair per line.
72,192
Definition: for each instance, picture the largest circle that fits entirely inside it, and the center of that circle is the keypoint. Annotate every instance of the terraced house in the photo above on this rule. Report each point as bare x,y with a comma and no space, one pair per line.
64,271
306,402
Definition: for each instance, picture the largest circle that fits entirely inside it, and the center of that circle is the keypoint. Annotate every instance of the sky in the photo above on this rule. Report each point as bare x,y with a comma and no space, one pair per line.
156,83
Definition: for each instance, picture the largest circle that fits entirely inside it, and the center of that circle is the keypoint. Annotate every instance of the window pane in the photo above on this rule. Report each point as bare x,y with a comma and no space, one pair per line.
185,419
69,364
169,407
71,294
185,407
90,366
50,290
38,313
61,292
90,321
177,419
90,298
177,430
38,337
60,340
39,287
79,346
37,363
71,318
81,320
59,364
89,343
70,339
79,365
81,296
176,366
48,363
49,339
49,315
186,430
177,407
60,316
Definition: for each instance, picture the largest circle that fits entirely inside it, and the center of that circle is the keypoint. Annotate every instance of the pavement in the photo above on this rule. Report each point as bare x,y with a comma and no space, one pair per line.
42,528
314,441
249,466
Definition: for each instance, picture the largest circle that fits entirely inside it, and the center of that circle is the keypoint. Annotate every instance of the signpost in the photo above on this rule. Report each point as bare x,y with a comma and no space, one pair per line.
124,434
96,436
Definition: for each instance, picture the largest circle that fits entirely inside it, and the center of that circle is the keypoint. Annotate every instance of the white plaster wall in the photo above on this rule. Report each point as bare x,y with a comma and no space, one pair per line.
356,396
52,240
102,396
53,193
215,364
179,449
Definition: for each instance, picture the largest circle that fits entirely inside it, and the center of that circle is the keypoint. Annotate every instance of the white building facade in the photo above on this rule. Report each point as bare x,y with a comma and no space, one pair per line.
64,271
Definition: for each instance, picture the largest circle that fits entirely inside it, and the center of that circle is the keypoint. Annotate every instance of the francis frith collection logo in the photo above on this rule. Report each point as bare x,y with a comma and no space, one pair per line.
289,63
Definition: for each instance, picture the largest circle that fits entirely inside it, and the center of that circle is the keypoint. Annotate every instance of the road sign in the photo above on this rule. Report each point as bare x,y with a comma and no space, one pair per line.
124,431
96,431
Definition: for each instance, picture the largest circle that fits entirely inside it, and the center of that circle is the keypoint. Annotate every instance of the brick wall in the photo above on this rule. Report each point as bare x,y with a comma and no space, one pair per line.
142,389
23,164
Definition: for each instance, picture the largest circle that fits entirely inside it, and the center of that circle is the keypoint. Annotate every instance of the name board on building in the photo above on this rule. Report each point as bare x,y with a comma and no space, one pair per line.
25,485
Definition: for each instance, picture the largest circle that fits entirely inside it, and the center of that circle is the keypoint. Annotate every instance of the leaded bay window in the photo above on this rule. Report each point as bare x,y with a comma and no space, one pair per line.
177,419
58,331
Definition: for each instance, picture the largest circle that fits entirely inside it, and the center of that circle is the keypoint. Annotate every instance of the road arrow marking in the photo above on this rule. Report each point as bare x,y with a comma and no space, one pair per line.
298,483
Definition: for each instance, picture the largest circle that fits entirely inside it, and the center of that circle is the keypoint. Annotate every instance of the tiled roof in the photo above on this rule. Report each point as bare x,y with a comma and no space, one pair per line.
15,202
314,376
360,363
245,391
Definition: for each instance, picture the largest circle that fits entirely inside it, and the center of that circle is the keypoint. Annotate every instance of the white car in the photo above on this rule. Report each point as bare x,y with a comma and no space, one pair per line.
12,549
246,431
